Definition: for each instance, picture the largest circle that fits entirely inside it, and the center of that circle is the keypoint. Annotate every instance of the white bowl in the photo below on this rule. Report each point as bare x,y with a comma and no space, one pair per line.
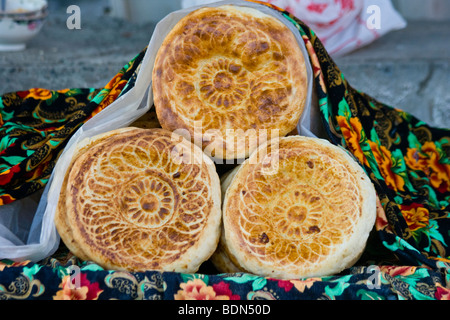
21,21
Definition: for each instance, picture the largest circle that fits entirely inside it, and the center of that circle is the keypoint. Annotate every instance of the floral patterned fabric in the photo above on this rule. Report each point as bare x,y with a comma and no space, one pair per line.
71,281
36,124
408,254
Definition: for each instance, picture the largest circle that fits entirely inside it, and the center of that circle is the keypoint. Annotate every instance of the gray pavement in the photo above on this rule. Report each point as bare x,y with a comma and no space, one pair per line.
408,69
60,58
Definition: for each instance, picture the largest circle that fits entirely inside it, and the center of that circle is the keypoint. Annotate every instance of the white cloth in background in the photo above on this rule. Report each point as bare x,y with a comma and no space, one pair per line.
341,25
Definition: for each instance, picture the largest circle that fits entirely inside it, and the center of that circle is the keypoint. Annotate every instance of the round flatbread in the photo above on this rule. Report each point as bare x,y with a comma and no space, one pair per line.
60,218
229,78
142,199
298,207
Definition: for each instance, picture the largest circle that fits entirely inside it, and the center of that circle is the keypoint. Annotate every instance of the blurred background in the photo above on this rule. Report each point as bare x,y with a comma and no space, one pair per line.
407,68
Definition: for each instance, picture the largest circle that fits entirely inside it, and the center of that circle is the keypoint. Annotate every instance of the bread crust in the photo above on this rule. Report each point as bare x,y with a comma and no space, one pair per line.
142,199
223,74
310,217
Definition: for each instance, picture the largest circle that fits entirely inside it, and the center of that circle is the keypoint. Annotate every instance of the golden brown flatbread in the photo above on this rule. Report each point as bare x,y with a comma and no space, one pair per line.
298,207
141,199
230,78
60,218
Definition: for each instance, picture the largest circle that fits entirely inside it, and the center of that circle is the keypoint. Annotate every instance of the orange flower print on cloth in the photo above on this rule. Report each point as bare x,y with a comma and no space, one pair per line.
352,131
84,290
41,94
110,92
110,97
355,139
429,159
198,290
384,159
38,94
416,216
115,80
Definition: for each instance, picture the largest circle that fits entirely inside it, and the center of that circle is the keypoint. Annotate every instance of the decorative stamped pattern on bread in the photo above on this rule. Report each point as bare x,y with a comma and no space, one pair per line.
226,73
142,199
309,217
